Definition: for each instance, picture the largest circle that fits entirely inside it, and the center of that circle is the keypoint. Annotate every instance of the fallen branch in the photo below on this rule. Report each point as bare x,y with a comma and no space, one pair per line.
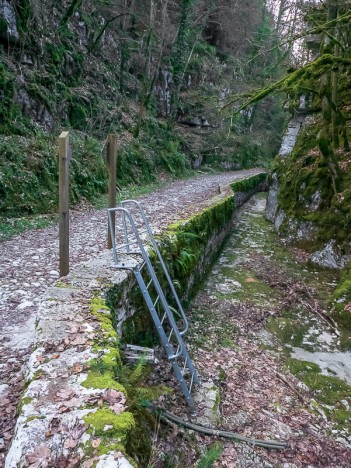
167,416
322,315
293,388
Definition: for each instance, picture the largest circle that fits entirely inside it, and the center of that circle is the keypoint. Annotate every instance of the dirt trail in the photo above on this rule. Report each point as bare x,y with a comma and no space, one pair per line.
29,265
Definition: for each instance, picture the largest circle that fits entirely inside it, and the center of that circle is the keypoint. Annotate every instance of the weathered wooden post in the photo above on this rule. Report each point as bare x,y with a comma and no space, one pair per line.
111,157
64,159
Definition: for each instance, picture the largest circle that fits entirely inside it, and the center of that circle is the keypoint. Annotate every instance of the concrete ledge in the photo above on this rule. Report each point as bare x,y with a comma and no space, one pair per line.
74,334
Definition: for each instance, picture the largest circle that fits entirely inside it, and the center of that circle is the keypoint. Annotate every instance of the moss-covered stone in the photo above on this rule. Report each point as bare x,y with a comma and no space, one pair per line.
105,422
248,184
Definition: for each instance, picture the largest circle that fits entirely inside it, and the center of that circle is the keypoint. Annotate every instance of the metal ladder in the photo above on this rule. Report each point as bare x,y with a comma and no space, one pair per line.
128,246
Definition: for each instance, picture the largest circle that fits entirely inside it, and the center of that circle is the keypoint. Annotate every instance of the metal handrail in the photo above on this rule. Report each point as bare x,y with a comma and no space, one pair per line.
164,267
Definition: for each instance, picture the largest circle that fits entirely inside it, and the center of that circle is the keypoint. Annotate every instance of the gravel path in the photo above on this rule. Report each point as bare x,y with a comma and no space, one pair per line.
29,265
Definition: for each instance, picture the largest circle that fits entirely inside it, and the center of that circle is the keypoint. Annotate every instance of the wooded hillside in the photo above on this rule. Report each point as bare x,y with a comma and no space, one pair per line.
155,72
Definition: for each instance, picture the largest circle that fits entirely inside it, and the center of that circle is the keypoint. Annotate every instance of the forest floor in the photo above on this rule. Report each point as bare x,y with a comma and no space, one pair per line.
29,265
260,308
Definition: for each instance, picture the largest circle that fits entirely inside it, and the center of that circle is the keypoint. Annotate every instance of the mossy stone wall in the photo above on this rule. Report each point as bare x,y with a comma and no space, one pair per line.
188,248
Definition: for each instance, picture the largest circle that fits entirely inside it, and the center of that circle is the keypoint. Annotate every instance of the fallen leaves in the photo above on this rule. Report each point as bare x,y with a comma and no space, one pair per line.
76,341
115,399
95,443
65,394
70,443
39,458
77,368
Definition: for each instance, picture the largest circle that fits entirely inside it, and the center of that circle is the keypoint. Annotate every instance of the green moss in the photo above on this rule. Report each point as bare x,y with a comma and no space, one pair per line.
245,185
105,379
104,422
329,392
341,416
103,313
326,390
288,330
184,245
298,367
32,418
103,370
24,401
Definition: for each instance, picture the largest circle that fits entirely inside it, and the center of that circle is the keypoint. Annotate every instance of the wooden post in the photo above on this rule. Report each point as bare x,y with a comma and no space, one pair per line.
64,158
111,157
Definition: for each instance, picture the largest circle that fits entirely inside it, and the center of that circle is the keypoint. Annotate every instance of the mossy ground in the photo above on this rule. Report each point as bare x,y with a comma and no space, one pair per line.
256,268
332,393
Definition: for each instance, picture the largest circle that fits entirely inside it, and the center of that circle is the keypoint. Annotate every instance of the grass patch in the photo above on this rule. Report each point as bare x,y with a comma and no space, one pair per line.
211,455
11,227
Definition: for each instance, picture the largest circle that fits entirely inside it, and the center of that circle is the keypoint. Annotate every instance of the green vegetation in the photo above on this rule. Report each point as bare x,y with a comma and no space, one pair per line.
288,330
131,430
111,427
211,455
10,227
29,173
248,184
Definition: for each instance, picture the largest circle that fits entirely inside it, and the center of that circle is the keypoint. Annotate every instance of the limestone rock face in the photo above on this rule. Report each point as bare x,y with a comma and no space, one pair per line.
272,201
290,136
34,109
8,25
330,256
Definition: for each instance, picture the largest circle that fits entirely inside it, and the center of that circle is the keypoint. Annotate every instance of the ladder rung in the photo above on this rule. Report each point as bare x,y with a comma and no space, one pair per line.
133,234
191,383
149,283
163,318
157,299
186,360
121,246
170,335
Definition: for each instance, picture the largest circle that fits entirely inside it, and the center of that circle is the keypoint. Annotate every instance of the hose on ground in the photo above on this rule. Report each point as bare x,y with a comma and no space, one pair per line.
166,415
